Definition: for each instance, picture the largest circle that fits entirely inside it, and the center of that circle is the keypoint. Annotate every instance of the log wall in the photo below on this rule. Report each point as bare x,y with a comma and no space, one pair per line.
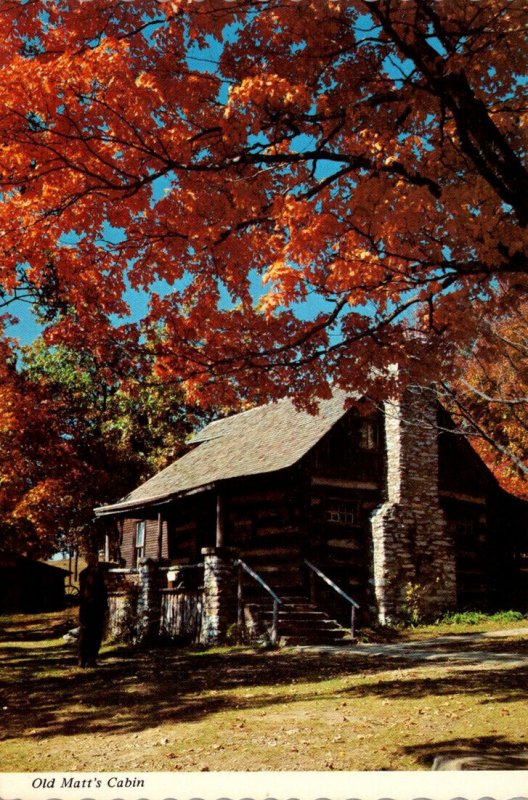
341,545
264,523
322,509
467,524
128,542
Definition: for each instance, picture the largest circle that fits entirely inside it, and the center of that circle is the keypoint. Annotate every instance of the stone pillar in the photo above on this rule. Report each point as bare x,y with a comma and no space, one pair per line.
219,611
414,562
149,601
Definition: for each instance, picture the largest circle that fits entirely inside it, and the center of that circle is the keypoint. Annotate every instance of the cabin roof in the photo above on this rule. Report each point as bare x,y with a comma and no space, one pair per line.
264,439
12,559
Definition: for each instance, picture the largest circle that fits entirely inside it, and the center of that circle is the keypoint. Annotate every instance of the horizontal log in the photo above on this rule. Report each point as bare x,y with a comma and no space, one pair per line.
250,499
270,553
276,569
464,498
276,531
241,524
346,544
182,528
346,572
343,483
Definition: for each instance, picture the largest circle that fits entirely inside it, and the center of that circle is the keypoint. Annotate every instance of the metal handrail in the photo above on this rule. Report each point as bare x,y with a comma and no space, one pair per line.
276,599
336,588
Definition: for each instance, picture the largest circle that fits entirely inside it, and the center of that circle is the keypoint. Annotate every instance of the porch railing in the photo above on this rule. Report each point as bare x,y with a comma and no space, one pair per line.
243,567
182,602
353,605
181,614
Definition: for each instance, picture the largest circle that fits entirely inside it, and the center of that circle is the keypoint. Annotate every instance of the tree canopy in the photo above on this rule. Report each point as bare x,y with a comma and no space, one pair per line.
306,190
72,439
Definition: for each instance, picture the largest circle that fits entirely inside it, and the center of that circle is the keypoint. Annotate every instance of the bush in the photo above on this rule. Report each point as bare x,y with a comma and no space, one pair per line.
415,602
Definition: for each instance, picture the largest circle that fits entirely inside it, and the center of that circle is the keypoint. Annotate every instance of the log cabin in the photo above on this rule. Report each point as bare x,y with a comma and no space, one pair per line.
374,513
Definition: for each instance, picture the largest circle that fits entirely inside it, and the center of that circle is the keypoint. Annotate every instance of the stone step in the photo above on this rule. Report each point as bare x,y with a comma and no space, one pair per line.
296,613
303,641
328,636
300,622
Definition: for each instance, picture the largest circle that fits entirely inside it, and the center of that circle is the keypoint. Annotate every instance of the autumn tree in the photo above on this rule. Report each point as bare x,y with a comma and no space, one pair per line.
73,435
308,190
34,459
488,397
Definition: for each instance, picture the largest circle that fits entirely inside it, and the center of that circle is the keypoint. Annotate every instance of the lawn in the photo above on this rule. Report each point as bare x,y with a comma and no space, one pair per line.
245,709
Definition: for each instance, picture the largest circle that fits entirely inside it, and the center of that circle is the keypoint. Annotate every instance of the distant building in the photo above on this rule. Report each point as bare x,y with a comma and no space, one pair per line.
30,586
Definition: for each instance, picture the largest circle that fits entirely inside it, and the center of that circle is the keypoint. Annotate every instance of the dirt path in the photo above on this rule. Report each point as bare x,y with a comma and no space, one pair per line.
480,649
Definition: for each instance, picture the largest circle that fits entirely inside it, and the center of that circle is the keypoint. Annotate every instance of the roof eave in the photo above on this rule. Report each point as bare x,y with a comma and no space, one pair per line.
158,500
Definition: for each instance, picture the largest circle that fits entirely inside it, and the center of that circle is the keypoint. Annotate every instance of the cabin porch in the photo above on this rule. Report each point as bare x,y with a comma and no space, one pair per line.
215,601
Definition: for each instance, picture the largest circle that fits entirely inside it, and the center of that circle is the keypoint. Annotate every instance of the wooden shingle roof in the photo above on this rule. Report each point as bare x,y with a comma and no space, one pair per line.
264,439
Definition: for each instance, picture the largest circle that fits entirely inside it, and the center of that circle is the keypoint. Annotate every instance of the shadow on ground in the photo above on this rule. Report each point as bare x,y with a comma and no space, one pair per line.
35,628
44,693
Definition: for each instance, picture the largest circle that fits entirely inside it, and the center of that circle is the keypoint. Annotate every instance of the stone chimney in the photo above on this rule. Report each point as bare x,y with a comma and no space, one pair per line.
414,565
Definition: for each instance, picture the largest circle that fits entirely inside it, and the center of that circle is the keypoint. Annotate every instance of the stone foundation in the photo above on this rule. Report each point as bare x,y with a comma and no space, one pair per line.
413,555
220,594
149,602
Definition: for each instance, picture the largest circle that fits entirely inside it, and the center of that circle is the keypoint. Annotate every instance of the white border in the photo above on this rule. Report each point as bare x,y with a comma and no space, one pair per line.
266,785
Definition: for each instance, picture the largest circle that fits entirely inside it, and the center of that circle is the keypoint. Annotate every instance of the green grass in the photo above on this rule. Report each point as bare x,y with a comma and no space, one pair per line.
470,622
467,622
237,708
478,617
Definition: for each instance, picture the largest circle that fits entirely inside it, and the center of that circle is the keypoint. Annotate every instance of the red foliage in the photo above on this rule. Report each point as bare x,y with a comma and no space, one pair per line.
367,155
489,398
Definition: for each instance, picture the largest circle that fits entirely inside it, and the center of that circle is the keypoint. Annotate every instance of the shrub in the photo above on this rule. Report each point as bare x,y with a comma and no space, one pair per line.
416,600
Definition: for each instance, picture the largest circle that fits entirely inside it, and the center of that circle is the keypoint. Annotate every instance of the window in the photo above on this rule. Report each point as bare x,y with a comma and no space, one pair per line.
368,435
342,512
140,541
464,528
